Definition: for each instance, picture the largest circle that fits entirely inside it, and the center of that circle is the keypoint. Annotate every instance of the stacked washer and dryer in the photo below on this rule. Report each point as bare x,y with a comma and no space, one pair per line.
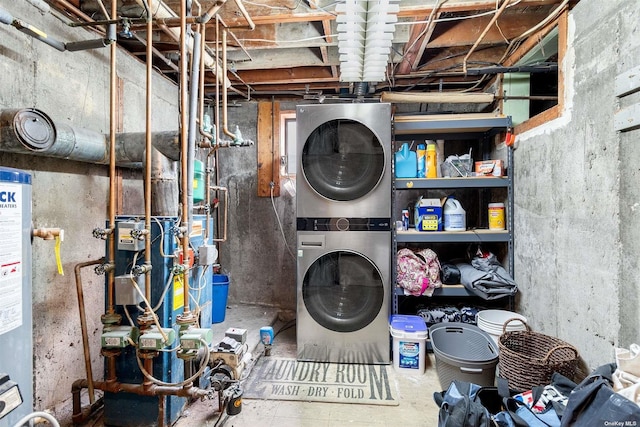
343,206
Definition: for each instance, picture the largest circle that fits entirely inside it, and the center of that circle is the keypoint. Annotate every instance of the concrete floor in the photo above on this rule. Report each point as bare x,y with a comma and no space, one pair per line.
415,393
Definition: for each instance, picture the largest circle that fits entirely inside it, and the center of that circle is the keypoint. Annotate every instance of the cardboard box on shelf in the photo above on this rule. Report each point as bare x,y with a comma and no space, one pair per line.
428,215
490,168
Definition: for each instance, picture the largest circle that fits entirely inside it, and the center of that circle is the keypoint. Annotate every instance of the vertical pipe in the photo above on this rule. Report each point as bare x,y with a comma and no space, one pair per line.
148,363
83,326
217,134
148,158
224,86
193,115
161,404
184,150
112,167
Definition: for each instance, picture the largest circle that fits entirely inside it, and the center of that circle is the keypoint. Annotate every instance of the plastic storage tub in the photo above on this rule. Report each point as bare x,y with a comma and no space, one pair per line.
409,343
219,297
463,352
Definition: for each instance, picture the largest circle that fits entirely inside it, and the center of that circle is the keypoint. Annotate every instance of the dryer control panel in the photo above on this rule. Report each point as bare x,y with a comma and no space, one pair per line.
343,224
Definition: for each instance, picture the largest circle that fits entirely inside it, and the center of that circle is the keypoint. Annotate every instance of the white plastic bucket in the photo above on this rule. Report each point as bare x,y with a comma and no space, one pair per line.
409,343
492,322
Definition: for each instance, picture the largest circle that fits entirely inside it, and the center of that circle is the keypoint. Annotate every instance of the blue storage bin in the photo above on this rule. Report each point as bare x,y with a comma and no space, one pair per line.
219,297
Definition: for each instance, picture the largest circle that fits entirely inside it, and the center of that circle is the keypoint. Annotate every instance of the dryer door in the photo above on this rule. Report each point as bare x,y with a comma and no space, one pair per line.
342,160
343,291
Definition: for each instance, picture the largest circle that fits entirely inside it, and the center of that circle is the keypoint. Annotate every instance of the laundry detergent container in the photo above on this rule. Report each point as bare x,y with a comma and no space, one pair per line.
409,343
463,352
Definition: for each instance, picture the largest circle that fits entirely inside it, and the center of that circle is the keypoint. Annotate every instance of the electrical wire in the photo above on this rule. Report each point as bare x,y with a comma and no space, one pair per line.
164,291
273,7
162,239
151,378
144,299
39,414
455,18
284,239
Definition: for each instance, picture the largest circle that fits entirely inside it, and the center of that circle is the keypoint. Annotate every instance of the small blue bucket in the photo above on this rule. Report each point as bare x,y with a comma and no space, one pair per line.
219,297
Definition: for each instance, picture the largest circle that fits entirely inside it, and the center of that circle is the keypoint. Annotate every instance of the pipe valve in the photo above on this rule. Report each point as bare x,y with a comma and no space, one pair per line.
48,233
102,233
51,234
104,268
179,269
139,270
139,234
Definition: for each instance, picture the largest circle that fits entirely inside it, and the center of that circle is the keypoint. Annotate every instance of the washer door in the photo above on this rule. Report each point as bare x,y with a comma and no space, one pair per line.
343,291
342,160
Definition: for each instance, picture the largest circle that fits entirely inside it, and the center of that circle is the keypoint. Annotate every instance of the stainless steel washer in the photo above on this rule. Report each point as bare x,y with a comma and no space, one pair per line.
343,291
344,161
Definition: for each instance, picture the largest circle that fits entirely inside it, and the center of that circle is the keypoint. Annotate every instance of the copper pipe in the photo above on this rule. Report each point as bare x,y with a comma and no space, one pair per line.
83,325
113,99
161,403
245,14
162,11
184,143
217,118
202,19
226,211
153,390
104,9
484,33
64,4
78,415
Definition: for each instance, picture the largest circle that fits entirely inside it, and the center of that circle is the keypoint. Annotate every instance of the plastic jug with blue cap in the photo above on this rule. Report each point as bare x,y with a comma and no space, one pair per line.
406,162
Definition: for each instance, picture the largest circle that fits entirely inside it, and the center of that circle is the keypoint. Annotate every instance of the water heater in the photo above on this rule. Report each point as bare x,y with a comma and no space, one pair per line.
16,348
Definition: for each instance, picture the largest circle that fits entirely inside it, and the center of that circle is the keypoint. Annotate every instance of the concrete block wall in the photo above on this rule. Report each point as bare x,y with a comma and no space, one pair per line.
576,196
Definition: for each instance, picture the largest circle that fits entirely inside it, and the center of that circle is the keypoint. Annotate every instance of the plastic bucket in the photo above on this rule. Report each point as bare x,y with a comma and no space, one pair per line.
409,343
219,297
492,322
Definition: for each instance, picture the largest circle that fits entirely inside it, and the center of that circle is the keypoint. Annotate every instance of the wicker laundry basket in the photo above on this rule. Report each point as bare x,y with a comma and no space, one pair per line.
528,359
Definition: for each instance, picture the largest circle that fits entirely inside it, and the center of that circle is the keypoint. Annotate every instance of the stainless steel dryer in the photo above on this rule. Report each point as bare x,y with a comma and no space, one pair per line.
344,161
343,291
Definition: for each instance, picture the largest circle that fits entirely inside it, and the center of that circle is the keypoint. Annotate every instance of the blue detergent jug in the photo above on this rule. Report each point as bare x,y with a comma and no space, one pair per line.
406,162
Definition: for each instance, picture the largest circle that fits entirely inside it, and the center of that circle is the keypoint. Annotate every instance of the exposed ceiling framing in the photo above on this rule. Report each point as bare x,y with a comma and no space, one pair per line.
292,51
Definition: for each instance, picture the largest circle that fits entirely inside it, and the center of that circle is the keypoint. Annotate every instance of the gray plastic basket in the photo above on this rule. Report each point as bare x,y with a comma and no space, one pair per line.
463,352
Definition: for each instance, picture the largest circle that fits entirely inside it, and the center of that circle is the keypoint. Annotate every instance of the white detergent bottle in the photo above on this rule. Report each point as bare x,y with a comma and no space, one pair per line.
455,218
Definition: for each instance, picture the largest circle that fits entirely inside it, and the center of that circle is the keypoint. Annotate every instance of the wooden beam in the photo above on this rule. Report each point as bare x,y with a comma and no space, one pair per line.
466,32
284,75
268,167
232,20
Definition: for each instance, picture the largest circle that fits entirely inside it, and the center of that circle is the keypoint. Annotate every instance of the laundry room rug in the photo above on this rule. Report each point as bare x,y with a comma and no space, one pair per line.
277,378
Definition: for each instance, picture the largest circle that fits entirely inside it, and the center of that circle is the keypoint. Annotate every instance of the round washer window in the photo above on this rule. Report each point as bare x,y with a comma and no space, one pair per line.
343,291
342,160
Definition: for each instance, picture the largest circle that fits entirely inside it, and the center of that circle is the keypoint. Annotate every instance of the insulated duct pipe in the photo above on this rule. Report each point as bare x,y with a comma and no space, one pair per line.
36,33
31,131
